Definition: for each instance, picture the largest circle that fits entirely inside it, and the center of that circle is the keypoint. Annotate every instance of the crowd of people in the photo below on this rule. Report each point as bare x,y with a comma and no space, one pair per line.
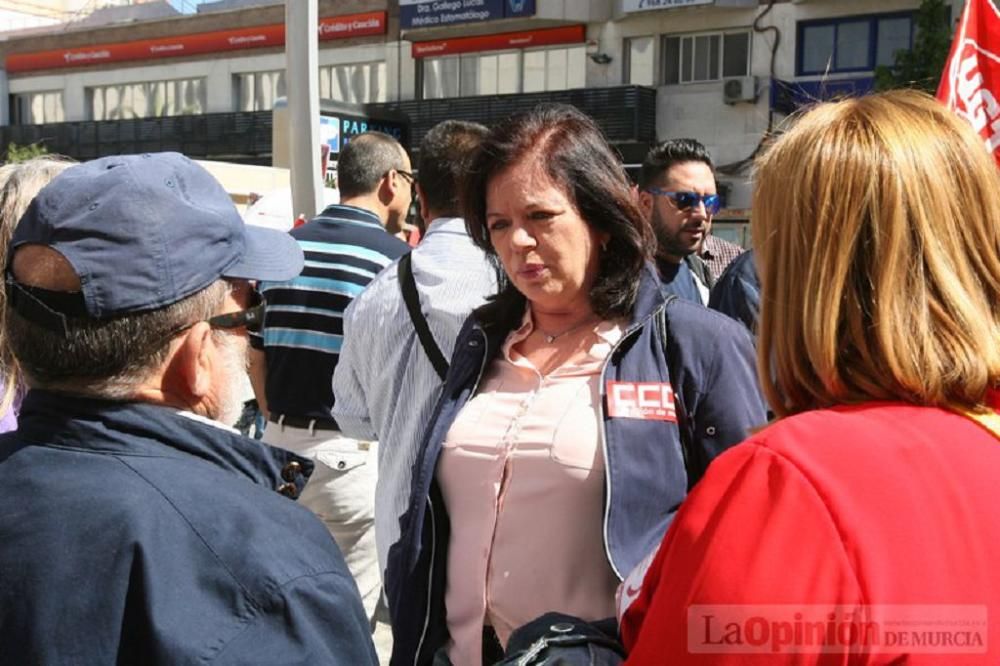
570,426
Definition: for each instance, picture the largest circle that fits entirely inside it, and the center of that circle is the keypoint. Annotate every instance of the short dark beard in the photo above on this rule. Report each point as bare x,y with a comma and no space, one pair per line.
667,245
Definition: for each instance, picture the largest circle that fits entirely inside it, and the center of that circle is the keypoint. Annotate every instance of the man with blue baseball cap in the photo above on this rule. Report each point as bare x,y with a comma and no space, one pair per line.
136,528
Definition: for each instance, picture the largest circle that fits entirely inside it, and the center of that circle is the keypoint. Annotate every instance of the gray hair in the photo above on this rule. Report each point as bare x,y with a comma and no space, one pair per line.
107,358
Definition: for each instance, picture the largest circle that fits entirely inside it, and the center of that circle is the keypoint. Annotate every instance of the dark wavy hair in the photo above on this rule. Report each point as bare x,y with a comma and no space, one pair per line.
662,156
579,160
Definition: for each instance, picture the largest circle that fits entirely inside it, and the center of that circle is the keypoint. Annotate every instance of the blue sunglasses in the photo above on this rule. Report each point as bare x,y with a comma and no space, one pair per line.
688,200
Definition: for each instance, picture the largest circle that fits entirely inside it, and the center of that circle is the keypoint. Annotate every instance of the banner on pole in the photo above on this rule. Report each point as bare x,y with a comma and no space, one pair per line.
970,84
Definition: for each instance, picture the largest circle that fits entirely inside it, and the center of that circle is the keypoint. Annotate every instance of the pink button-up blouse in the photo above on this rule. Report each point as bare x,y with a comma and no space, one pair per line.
522,474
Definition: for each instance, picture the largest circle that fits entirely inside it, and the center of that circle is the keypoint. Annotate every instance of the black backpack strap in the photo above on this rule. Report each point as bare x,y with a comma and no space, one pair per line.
408,286
693,464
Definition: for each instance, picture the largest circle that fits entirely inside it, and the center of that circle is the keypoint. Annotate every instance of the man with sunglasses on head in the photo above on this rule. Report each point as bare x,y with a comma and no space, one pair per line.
678,195
294,357
137,528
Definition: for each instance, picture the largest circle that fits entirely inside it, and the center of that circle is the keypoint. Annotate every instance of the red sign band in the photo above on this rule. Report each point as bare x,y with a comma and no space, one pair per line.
333,27
572,34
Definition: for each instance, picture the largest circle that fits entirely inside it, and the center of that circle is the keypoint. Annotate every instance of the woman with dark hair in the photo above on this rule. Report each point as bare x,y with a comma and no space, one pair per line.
559,450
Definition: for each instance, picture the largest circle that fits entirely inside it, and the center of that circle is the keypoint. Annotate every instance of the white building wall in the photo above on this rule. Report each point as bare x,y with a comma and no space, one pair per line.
732,132
219,71
696,110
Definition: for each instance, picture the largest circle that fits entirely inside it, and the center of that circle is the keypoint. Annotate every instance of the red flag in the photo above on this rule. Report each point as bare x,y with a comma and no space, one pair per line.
970,85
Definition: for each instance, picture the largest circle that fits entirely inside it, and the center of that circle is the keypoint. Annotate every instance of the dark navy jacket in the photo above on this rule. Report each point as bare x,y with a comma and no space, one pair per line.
645,471
133,534
737,293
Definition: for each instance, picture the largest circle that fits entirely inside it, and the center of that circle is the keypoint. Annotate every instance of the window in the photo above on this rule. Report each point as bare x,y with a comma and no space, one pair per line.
356,83
893,35
856,44
257,91
554,69
705,57
490,73
503,72
147,99
36,108
441,77
640,63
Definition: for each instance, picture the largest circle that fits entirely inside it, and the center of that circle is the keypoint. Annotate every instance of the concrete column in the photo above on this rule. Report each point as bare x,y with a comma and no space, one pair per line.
302,77
4,96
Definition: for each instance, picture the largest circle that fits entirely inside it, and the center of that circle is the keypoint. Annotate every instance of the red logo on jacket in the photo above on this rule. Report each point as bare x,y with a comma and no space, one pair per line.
653,401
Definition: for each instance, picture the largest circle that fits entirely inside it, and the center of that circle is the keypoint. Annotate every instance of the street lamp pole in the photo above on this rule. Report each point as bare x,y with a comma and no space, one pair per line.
302,77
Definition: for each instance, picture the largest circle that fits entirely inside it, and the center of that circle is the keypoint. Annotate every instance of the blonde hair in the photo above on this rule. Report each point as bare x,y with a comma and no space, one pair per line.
877,226
19,183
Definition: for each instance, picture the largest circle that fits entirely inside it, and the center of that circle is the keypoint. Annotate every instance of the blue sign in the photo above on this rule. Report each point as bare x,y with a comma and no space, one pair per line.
337,131
329,132
438,13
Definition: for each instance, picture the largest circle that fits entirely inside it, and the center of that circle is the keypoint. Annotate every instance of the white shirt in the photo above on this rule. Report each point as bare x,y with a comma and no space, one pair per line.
385,387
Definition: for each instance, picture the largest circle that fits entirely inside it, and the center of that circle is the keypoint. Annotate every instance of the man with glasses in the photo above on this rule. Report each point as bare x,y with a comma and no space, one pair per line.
138,528
678,195
294,357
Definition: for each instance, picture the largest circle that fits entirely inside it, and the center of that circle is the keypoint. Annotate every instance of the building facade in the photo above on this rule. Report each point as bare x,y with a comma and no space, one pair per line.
721,71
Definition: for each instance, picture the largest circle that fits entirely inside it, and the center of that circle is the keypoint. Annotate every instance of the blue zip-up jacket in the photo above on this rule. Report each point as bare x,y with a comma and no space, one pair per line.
645,472
134,534
737,293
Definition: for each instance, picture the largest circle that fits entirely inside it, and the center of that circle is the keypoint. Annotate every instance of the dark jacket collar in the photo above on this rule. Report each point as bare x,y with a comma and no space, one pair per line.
134,428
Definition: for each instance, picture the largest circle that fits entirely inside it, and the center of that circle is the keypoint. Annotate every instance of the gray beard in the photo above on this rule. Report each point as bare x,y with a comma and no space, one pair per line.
235,360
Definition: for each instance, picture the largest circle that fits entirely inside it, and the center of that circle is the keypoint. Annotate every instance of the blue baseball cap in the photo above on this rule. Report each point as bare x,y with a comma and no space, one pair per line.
145,231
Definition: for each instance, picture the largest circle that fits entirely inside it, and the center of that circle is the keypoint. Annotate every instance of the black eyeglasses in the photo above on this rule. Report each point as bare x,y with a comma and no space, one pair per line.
689,200
405,174
251,318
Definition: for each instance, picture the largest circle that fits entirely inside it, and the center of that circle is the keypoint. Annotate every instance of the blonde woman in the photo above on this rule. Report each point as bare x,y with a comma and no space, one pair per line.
862,526
19,183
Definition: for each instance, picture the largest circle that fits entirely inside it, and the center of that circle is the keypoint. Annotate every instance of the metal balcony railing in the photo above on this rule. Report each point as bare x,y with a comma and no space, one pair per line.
627,114
244,137
624,113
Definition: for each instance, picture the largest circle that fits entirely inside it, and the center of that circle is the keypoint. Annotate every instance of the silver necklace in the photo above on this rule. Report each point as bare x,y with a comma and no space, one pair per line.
550,338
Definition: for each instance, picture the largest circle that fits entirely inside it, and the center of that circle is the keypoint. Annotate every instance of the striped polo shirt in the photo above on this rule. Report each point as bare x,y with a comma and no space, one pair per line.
345,247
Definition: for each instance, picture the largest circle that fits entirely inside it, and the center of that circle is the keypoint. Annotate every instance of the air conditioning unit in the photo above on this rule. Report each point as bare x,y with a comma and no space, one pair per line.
741,89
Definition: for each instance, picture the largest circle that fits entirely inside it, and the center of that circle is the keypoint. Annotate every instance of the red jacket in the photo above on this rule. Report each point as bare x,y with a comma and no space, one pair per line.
866,506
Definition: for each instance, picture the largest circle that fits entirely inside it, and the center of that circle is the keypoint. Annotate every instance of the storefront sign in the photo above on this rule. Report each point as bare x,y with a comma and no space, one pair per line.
336,131
333,27
572,34
438,13
643,5
629,6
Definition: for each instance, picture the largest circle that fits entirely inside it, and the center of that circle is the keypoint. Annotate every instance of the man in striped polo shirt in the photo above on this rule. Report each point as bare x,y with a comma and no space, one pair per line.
293,358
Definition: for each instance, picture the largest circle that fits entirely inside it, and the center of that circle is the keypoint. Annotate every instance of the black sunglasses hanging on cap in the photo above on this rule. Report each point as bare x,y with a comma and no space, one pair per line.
51,309
252,317
44,307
